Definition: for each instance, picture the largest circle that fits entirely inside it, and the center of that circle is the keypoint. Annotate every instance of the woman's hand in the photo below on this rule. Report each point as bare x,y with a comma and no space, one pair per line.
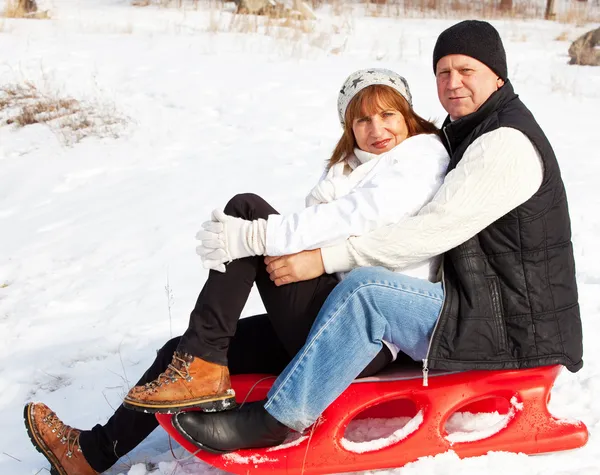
225,238
304,265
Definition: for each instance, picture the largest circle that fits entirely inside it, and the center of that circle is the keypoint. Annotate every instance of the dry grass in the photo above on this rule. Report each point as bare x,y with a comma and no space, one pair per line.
278,10
24,104
299,37
564,36
14,9
294,35
567,11
194,4
452,9
480,9
580,14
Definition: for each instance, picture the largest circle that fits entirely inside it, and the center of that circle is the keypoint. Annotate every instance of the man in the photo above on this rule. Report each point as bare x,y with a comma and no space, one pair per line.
508,297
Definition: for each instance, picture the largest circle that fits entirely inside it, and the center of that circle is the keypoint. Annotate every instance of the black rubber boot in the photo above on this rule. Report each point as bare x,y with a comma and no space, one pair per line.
249,426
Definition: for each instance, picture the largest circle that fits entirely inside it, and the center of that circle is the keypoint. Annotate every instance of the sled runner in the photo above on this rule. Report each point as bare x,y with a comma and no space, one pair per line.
520,395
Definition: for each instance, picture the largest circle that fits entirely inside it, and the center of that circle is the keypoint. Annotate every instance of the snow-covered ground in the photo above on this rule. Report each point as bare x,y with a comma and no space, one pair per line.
97,261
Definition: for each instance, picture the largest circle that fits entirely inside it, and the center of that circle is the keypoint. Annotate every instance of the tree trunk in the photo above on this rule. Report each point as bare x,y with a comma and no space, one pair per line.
28,6
506,5
550,15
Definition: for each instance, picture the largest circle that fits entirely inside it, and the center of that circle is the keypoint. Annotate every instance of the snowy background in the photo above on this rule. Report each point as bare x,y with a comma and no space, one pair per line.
191,106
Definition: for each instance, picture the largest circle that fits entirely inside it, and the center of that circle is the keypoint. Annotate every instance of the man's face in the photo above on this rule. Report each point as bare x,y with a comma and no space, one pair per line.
464,84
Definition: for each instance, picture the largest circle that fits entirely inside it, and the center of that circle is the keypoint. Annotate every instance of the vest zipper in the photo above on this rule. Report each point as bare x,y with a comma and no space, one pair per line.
426,360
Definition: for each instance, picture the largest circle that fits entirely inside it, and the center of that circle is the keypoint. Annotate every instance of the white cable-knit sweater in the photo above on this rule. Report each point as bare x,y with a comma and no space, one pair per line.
498,172
365,193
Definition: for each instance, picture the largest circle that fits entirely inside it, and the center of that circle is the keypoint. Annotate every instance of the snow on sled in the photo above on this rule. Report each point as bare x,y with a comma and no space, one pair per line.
520,396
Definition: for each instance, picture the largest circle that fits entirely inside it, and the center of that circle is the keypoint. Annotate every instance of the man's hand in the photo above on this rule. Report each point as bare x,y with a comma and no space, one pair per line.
304,265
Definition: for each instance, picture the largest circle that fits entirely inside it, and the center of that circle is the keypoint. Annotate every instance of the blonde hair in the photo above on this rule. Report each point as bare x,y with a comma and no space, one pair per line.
370,101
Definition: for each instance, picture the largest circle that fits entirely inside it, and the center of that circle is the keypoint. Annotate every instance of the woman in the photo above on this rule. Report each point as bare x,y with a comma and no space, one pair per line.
387,165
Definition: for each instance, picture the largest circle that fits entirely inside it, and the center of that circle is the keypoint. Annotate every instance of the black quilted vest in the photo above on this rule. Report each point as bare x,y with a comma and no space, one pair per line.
511,294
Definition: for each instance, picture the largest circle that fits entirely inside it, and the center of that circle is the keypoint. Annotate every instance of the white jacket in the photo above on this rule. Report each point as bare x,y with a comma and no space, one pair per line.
376,193
498,172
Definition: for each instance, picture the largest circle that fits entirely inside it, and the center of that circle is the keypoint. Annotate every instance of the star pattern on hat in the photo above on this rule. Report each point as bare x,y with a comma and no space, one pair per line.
357,81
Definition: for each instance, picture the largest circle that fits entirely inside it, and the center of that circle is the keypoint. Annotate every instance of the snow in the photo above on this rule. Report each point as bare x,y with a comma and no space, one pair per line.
467,427
291,441
97,260
252,459
370,443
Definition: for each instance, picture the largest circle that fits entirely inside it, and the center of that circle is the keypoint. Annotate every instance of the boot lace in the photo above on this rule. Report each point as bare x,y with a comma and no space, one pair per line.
178,368
67,434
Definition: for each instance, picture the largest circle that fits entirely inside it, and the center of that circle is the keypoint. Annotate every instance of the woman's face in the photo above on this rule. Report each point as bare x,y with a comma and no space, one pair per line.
380,132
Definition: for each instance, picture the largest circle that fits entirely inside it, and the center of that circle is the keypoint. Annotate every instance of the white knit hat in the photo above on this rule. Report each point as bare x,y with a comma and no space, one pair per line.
358,80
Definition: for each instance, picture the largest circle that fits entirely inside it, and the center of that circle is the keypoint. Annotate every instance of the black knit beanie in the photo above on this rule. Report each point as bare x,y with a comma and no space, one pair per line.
474,38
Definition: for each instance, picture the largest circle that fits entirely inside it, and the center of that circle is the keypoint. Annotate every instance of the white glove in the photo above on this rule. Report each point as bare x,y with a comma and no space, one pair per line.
226,238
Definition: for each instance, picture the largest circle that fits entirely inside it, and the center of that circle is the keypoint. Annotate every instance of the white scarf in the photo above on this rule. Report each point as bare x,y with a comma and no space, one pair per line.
344,176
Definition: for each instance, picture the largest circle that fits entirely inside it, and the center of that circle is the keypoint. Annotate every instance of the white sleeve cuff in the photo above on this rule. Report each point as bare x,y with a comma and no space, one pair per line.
272,245
337,258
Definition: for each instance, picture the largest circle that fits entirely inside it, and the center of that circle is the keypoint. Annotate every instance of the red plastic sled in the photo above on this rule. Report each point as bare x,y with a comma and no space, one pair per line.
521,395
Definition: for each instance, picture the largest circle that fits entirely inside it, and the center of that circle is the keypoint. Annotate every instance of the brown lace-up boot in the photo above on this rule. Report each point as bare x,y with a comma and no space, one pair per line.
56,441
188,382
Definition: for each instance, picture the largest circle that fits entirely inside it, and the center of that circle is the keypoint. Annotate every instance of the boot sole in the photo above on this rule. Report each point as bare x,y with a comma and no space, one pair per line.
38,443
193,441
218,404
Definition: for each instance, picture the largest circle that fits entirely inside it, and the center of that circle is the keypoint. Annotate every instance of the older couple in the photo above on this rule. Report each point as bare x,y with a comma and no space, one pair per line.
505,296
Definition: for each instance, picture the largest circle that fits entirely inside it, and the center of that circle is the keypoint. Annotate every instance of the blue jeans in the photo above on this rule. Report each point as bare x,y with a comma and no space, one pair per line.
370,305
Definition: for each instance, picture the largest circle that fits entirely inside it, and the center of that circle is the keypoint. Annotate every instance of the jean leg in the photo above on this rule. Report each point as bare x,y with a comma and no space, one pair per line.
372,304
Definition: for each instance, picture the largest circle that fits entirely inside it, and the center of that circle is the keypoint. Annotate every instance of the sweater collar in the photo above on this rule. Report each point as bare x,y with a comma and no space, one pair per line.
455,131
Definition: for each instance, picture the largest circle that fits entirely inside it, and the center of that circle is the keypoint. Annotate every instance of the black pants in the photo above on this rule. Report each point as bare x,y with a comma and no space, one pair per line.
292,309
259,344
